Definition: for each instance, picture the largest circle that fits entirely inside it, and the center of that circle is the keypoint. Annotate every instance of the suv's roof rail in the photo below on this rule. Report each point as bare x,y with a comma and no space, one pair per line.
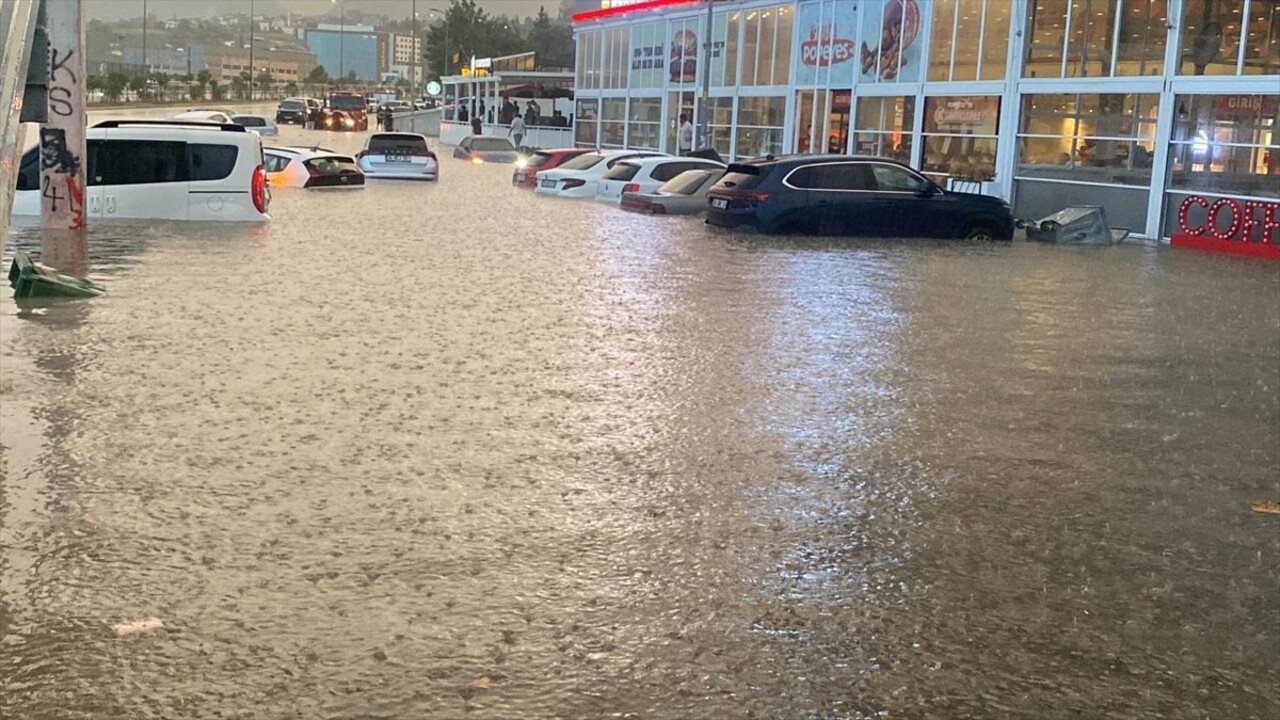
226,127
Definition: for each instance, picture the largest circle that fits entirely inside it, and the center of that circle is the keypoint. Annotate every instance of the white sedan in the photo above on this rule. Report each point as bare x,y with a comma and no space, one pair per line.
203,116
310,168
646,175
398,156
257,124
579,177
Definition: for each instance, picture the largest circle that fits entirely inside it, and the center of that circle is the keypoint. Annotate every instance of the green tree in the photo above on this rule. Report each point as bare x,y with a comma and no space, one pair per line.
265,83
113,86
240,85
317,76
196,91
291,88
137,83
215,90
551,42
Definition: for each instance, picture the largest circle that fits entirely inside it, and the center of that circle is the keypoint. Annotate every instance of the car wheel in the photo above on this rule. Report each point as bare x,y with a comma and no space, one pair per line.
980,232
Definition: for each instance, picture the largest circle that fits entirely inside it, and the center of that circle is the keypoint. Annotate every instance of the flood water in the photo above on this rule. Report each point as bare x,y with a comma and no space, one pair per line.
455,451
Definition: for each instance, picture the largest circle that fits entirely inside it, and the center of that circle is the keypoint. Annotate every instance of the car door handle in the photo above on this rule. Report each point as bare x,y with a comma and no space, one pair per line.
111,203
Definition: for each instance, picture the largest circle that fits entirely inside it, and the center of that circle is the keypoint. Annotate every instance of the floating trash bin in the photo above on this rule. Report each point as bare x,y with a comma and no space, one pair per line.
1079,225
30,279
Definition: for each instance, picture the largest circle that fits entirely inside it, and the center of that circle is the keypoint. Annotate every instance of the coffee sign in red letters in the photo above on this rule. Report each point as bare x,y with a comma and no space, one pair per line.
1244,227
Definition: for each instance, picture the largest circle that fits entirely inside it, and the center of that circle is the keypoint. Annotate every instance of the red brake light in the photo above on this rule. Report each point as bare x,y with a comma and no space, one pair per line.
258,189
631,187
751,196
572,183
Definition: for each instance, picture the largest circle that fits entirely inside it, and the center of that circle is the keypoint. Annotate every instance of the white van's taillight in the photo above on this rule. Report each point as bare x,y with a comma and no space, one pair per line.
259,189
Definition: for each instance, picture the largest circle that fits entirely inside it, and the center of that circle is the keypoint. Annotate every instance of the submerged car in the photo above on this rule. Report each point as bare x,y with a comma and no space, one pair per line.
299,167
257,124
640,175
292,111
685,194
400,156
485,149
528,166
579,177
851,196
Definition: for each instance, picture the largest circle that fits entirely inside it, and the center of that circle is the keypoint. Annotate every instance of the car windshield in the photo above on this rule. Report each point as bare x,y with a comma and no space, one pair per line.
291,105
397,143
492,145
249,121
583,162
346,102
622,171
687,182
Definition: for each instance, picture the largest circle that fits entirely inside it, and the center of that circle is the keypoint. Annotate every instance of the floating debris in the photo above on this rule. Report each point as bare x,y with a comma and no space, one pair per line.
1266,506
31,279
138,627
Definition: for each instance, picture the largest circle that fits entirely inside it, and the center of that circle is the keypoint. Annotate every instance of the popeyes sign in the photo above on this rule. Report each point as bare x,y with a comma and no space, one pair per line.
1230,225
824,49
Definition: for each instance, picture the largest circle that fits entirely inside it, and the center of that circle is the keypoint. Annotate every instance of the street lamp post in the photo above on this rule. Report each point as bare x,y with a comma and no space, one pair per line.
146,69
251,29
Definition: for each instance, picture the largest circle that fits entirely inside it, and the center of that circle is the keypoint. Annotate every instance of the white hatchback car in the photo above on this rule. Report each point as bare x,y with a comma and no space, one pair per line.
398,156
643,175
162,170
314,167
578,177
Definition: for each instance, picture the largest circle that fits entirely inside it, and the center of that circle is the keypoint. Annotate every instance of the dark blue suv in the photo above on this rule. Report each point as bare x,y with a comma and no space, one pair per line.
850,195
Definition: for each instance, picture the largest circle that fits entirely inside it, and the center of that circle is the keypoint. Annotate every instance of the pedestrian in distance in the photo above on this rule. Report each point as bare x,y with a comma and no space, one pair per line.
686,134
476,128
517,130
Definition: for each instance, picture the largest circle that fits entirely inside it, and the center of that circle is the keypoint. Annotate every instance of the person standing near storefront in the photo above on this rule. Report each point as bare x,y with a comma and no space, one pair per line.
685,143
517,130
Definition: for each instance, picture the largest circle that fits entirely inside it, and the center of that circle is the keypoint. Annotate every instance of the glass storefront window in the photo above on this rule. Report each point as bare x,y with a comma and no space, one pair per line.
970,40
648,55
1211,37
1226,144
766,46
1095,38
724,49
613,111
1099,138
827,53
586,121
721,124
760,123
960,136
644,121
617,58
588,69
883,127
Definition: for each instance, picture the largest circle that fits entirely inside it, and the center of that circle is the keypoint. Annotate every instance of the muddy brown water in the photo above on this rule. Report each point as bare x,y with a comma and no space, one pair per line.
456,451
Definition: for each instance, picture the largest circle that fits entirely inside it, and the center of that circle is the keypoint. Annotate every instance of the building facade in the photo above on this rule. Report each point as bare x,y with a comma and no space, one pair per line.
345,49
1135,105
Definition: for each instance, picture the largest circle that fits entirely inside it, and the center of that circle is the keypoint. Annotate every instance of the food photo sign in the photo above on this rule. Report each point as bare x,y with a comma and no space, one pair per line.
891,45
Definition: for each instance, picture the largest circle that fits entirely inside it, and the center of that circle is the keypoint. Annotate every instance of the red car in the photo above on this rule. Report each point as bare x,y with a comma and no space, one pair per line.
527,169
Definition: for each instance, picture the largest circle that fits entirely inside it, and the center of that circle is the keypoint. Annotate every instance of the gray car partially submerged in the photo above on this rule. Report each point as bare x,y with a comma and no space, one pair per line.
684,194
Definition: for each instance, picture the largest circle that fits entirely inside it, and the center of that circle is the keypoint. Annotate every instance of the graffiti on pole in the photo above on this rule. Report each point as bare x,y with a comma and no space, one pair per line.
62,136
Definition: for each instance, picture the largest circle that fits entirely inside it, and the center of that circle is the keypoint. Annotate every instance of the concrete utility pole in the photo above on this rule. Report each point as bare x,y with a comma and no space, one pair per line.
704,114
62,141
17,29
252,27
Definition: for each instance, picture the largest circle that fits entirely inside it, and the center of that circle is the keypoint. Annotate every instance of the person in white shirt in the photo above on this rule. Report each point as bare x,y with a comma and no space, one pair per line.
685,142
517,130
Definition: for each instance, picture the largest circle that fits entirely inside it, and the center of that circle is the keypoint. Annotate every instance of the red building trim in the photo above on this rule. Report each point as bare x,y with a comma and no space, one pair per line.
604,13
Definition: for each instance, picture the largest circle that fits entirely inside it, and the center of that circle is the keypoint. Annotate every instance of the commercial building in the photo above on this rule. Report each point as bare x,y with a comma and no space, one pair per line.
1135,105
343,49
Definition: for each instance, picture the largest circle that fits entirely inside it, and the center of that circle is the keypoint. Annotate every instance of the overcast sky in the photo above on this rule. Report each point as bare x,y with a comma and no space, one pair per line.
117,9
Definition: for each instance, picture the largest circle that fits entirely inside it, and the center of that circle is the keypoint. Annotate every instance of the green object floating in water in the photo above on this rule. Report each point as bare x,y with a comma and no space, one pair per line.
30,279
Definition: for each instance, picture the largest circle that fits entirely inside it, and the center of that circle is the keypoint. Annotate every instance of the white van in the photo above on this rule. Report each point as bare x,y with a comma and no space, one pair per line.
163,170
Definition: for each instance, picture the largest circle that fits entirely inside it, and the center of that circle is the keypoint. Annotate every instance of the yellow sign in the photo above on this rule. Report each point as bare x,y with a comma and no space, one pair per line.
478,72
